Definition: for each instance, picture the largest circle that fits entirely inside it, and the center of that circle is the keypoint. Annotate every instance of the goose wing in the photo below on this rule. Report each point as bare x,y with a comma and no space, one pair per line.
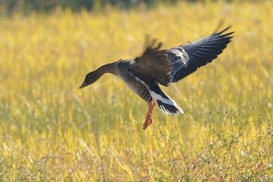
188,58
153,64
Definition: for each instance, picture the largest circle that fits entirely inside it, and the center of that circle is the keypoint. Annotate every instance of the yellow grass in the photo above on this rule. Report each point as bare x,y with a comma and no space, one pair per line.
52,131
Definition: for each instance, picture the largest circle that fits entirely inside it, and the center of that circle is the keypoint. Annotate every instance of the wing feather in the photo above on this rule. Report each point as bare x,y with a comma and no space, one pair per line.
188,58
154,62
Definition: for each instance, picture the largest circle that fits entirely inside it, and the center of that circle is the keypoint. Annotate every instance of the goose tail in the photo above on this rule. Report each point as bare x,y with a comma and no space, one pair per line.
169,107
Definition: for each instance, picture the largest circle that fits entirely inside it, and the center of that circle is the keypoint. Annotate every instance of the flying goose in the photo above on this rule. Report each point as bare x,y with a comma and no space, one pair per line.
156,66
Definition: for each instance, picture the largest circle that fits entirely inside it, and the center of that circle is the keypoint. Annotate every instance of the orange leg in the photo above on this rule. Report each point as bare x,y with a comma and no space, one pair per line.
149,114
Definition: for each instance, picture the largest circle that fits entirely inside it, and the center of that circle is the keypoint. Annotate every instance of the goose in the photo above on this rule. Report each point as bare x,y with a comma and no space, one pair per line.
155,66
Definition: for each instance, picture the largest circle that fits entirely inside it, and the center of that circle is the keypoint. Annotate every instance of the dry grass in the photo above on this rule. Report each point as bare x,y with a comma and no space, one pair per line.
52,131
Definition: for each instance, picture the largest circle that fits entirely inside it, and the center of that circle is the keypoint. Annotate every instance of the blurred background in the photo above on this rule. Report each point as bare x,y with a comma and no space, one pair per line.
52,131
9,7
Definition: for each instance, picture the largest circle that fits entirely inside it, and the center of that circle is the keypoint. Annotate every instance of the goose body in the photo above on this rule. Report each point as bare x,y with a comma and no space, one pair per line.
156,66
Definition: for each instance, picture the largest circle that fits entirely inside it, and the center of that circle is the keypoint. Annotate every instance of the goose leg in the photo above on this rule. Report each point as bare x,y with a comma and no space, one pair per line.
149,114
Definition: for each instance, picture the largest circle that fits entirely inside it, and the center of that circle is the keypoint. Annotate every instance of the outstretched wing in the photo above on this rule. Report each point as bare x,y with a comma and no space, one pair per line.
187,58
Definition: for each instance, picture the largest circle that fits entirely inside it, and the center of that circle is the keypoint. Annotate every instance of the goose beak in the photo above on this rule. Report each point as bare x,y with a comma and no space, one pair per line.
83,85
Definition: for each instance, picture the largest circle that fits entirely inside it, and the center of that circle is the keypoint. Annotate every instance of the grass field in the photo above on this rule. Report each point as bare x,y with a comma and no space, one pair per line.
52,131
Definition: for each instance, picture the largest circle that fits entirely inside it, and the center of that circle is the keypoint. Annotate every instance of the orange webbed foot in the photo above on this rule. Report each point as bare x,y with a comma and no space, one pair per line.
149,114
147,123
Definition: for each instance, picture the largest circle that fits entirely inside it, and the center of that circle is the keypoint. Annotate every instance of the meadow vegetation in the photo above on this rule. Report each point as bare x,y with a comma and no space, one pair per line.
52,131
